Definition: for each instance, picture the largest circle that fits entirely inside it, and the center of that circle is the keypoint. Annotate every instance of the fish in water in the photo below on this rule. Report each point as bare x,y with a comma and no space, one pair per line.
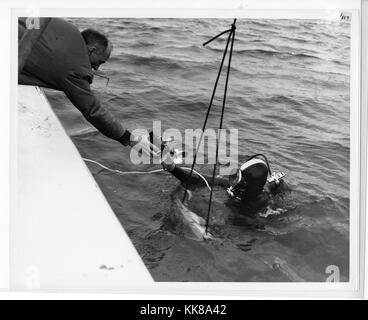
195,223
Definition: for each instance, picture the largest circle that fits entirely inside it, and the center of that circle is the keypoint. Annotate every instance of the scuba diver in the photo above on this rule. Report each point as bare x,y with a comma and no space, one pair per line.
252,184
253,188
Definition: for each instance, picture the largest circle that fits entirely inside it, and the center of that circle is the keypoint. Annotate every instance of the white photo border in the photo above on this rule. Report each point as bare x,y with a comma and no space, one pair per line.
5,20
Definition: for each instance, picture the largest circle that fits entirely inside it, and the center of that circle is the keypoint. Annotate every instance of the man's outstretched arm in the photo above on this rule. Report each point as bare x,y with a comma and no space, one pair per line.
79,92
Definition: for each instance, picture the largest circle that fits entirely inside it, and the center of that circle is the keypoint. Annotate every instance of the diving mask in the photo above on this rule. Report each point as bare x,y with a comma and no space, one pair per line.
237,184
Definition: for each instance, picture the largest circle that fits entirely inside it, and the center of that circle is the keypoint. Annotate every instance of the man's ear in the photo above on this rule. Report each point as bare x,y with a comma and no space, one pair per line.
91,48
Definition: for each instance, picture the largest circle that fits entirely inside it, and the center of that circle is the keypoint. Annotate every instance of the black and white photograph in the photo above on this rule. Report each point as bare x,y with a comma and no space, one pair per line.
184,150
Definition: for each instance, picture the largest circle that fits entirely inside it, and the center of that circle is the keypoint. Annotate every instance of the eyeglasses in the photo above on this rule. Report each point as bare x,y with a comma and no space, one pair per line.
101,75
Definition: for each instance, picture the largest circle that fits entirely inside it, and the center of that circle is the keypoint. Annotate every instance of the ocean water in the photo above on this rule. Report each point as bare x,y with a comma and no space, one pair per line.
288,96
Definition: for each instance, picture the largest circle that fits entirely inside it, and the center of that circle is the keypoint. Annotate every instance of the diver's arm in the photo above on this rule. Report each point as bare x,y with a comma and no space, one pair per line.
78,90
194,180
185,177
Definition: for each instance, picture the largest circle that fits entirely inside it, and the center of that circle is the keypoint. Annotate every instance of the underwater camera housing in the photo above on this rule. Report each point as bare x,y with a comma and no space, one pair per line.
175,154
276,177
249,180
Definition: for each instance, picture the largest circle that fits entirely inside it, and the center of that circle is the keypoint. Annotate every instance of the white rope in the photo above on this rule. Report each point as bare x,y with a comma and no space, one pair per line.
203,178
122,172
143,172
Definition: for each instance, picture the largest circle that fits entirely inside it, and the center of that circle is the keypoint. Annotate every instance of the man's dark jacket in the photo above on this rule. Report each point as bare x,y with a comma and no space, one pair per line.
59,60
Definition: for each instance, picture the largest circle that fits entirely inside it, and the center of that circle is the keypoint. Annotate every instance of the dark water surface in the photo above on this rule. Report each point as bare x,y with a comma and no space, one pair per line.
289,98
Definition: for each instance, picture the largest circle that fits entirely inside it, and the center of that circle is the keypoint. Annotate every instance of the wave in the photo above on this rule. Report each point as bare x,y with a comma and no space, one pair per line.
155,61
259,53
281,54
299,40
142,44
282,99
192,48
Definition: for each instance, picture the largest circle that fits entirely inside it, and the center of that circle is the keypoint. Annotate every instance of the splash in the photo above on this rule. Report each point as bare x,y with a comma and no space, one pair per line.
270,212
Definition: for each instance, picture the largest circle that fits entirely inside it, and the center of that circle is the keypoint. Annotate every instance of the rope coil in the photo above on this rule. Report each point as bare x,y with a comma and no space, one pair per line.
143,172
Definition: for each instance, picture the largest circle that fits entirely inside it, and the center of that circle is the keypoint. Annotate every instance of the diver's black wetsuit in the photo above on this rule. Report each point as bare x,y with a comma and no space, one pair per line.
256,193
195,180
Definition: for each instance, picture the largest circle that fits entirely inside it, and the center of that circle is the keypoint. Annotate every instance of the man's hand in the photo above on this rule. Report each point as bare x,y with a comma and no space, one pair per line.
153,146
143,143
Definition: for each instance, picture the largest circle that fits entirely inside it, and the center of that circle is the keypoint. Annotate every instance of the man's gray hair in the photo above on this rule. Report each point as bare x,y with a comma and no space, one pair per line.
92,36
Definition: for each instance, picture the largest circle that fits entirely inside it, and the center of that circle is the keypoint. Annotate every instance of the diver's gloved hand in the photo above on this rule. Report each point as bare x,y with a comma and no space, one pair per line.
159,142
166,149
168,162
